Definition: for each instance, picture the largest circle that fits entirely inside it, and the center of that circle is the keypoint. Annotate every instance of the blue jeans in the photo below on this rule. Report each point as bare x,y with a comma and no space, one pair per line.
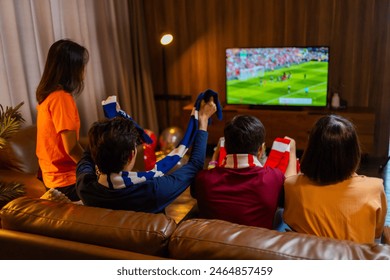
279,223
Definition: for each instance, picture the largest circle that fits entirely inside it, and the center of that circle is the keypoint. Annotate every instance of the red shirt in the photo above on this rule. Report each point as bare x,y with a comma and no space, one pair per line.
247,196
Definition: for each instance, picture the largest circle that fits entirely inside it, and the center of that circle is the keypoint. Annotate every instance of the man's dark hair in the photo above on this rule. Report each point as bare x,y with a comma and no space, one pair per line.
111,143
333,152
244,134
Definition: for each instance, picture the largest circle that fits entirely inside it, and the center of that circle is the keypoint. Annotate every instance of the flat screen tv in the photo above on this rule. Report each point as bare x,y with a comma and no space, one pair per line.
277,76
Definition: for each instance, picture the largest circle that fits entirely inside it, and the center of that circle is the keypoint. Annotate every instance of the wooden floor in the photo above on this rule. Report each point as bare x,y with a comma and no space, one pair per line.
179,208
369,167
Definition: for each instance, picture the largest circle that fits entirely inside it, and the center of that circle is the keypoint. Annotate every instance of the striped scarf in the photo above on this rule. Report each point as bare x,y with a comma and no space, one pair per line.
278,157
124,179
238,161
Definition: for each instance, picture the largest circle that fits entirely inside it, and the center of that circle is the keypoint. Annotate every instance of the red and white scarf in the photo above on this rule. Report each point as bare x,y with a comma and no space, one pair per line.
278,157
238,161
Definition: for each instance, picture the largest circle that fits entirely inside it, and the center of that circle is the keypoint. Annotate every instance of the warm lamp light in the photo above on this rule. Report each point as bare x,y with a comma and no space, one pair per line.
166,39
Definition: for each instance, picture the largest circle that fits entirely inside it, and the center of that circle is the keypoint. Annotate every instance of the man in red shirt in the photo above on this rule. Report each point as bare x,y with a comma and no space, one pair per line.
241,190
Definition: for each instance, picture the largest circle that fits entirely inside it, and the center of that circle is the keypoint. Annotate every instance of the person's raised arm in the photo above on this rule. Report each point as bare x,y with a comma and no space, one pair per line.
292,162
207,109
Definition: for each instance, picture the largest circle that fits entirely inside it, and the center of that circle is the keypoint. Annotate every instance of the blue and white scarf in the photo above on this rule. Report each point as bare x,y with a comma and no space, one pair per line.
124,179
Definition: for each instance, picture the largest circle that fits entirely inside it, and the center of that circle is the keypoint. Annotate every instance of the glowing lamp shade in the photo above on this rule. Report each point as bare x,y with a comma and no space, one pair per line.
166,39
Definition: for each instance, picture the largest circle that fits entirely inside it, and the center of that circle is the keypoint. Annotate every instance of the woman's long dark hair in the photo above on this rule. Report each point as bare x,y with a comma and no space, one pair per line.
64,69
333,152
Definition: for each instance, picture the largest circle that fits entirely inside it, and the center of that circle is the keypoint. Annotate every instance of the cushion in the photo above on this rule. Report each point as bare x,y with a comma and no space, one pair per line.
19,153
10,191
16,245
32,186
127,230
216,239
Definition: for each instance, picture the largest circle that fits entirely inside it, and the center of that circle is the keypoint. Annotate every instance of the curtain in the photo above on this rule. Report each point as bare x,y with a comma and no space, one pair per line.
112,31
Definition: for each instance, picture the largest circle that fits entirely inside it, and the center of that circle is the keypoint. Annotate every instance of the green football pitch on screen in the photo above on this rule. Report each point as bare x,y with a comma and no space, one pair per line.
300,84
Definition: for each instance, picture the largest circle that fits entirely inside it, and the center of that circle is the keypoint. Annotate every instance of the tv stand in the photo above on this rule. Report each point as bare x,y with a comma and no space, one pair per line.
295,124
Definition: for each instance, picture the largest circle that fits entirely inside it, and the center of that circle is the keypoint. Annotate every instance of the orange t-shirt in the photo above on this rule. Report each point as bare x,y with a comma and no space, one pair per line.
57,113
354,209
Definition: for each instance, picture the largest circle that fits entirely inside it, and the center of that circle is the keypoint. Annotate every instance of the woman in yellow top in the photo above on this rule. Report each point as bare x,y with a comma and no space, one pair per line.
58,124
328,198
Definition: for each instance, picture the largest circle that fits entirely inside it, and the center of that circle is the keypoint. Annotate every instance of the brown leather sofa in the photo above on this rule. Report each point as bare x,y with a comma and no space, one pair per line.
18,162
33,228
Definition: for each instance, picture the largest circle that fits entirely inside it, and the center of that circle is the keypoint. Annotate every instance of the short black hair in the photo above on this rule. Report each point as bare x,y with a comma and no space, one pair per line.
244,134
111,142
333,151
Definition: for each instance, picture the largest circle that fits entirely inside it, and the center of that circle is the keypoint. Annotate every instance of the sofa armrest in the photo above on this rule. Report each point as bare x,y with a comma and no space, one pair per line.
138,232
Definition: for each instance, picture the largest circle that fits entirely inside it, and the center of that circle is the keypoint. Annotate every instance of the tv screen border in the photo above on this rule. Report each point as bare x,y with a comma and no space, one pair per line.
280,106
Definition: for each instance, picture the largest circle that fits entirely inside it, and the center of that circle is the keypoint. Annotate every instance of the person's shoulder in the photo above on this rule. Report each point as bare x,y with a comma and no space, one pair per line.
295,179
59,96
271,170
368,181
206,172
60,93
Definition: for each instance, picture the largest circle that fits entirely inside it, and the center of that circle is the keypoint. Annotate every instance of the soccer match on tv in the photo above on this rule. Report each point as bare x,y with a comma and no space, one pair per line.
291,76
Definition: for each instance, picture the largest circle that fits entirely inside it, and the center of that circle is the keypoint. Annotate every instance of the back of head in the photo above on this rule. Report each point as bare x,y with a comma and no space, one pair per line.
333,152
244,134
111,142
64,69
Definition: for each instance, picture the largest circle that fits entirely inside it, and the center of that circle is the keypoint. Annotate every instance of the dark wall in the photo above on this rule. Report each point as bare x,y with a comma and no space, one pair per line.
357,32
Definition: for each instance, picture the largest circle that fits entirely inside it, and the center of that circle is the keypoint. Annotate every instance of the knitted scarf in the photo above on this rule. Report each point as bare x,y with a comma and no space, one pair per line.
238,161
124,178
278,157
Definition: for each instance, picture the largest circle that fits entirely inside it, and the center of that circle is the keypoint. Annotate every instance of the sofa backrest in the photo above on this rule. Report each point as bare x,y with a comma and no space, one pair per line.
19,153
216,239
126,230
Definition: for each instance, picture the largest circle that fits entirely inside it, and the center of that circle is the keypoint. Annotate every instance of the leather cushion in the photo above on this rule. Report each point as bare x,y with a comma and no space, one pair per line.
127,230
216,239
32,186
16,245
19,153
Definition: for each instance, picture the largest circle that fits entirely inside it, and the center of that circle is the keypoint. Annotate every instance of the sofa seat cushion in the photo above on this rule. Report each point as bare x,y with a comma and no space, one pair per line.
126,230
216,239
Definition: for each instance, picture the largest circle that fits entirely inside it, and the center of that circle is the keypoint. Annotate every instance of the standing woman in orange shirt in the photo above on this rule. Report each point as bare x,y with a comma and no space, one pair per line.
58,123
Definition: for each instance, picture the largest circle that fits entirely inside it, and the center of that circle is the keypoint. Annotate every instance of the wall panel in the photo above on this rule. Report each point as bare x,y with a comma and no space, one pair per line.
355,30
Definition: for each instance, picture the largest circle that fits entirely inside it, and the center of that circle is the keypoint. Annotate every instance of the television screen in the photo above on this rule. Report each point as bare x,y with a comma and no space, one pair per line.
283,76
